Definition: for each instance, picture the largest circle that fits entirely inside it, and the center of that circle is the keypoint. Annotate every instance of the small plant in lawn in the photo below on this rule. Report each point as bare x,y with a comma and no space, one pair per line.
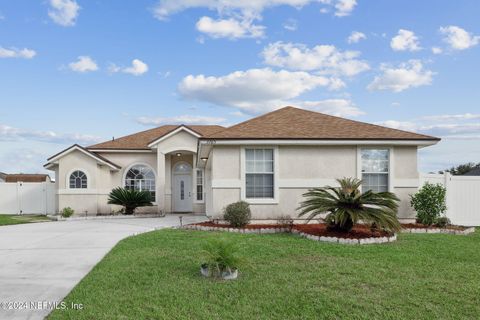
130,199
67,212
220,257
237,214
347,205
429,203
442,222
285,221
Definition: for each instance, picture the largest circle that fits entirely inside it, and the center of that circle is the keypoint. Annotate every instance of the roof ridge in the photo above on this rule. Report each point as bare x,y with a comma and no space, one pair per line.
361,122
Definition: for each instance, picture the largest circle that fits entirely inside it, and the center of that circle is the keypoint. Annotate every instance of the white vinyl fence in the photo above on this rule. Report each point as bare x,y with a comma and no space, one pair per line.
463,197
27,198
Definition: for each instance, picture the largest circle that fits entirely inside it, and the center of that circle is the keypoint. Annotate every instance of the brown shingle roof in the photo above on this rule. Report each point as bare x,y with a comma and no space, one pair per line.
27,177
294,123
141,140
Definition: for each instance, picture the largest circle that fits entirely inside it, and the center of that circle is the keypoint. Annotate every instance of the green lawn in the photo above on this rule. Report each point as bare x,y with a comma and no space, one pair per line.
156,276
14,219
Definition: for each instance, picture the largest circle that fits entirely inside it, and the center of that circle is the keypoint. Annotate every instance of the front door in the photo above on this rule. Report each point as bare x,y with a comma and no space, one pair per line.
182,193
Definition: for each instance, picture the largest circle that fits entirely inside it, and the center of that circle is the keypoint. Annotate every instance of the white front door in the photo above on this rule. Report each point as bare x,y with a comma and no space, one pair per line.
182,193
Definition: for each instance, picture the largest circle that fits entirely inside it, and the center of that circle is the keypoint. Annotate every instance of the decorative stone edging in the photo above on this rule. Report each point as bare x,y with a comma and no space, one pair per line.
372,240
257,231
438,230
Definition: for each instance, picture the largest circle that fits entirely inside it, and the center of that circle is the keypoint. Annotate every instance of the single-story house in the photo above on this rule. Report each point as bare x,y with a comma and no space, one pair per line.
473,172
27,177
268,161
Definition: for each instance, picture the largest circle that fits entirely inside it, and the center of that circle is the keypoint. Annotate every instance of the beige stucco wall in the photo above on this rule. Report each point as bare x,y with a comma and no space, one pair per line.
300,168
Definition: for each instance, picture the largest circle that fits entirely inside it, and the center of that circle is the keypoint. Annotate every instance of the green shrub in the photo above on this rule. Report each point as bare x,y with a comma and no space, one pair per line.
429,203
130,199
67,212
237,214
220,256
442,222
346,206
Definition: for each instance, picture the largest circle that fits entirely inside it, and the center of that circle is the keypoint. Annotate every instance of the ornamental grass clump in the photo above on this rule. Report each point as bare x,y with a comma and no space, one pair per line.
220,257
346,206
429,203
130,199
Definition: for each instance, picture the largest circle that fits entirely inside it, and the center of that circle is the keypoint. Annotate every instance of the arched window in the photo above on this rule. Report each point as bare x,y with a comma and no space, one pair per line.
78,180
182,167
141,177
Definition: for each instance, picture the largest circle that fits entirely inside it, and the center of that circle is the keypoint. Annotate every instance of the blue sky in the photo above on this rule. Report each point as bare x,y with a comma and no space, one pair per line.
84,71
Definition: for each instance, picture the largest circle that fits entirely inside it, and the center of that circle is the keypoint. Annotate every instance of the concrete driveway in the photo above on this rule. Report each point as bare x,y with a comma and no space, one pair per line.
40,263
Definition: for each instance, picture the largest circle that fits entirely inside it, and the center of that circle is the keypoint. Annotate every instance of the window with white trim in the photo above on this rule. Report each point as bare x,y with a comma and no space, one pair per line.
78,180
141,177
375,169
259,174
199,185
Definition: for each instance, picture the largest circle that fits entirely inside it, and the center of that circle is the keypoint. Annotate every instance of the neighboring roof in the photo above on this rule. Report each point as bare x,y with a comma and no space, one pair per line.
473,172
27,177
94,155
294,123
141,140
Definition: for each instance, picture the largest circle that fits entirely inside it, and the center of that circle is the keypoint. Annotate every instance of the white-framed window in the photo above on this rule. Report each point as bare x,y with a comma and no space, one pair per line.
259,173
375,169
78,180
199,185
141,177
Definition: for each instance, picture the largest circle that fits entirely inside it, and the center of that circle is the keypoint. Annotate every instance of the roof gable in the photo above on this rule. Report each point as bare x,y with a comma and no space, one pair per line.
142,140
52,160
294,123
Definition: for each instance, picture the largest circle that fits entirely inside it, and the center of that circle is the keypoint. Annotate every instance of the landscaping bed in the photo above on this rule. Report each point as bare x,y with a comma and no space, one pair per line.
360,234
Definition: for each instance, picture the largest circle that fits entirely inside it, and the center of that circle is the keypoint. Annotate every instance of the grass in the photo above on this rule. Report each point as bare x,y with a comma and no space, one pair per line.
156,276
16,219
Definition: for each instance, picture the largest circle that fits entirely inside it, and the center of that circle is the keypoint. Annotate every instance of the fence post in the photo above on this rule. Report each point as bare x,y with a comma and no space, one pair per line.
447,184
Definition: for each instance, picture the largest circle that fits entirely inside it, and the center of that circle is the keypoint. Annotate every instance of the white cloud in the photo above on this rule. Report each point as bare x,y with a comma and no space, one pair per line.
253,90
458,38
406,40
452,117
24,160
236,18
437,50
183,119
17,53
137,68
290,25
231,28
83,64
334,107
395,104
408,75
344,7
326,59
8,133
356,37
64,12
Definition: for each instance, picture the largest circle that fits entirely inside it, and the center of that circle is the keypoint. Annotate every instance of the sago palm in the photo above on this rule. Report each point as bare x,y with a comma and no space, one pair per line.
347,205
130,199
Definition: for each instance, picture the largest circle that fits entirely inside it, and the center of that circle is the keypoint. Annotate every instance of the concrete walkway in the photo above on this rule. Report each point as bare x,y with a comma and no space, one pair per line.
42,262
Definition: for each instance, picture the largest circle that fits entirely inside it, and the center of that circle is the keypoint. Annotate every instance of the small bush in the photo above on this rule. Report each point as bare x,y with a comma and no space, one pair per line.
237,214
429,203
220,256
442,222
285,221
67,212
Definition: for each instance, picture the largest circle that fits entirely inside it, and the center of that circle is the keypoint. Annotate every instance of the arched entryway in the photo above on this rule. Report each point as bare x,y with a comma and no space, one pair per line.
182,187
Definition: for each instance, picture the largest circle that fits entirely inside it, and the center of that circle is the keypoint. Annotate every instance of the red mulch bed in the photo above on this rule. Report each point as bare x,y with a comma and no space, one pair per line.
423,226
248,226
358,231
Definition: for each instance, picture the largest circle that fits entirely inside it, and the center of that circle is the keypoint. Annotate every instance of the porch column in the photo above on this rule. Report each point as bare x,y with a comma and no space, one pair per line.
160,181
